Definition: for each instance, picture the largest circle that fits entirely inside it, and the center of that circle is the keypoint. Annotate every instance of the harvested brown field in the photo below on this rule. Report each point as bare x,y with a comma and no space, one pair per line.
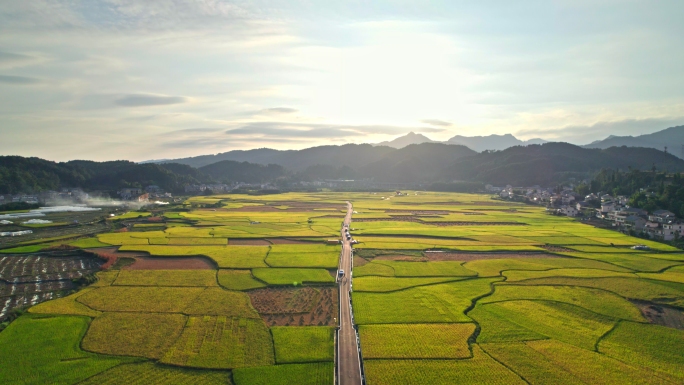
418,237
408,258
175,263
392,219
304,306
440,224
419,212
115,251
556,249
358,261
661,315
480,256
286,241
479,203
248,242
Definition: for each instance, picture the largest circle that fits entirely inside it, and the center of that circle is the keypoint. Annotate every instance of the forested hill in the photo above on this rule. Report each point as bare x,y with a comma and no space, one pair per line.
555,162
27,175
229,170
351,155
545,164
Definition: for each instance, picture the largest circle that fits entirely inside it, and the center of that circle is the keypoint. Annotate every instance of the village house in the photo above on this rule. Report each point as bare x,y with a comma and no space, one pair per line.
661,216
635,222
569,211
582,205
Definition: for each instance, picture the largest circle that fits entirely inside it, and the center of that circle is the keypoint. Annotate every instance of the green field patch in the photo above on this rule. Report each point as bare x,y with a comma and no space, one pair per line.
530,364
441,303
481,369
386,284
416,341
299,344
25,249
234,257
563,322
561,241
189,232
105,278
87,243
636,262
283,276
495,327
187,300
656,347
150,373
148,225
521,275
46,351
675,274
300,374
166,278
602,249
220,302
594,368
500,248
632,288
428,269
146,335
140,299
594,300
373,269
322,256
197,241
494,267
66,306
221,343
121,239
238,280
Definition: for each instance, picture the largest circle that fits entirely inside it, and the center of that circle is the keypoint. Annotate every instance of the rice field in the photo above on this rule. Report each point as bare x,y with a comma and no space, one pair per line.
416,341
447,288
300,344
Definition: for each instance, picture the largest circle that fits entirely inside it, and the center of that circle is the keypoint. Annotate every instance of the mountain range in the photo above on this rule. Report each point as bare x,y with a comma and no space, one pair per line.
462,159
671,138
356,155
425,164
477,143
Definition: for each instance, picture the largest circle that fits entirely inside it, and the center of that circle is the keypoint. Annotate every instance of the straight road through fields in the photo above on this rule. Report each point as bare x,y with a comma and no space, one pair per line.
348,362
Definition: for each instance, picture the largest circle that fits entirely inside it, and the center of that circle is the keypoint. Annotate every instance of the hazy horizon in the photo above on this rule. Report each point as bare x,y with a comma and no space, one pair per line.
121,79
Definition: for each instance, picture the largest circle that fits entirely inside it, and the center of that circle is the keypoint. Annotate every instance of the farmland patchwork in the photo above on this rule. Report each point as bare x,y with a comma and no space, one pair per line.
447,288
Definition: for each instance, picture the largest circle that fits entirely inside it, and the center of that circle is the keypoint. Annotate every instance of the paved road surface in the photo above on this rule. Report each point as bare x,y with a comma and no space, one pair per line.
348,355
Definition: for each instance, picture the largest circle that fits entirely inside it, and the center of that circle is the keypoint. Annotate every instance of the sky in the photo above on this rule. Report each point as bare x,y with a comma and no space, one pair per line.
140,80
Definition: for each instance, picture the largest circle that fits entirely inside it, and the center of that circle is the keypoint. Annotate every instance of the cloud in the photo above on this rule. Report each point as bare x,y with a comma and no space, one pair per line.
196,130
435,122
18,80
312,130
145,100
583,134
279,110
13,60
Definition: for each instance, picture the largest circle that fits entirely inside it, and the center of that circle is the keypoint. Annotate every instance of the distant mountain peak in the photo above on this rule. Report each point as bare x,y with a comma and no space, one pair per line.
492,142
406,140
